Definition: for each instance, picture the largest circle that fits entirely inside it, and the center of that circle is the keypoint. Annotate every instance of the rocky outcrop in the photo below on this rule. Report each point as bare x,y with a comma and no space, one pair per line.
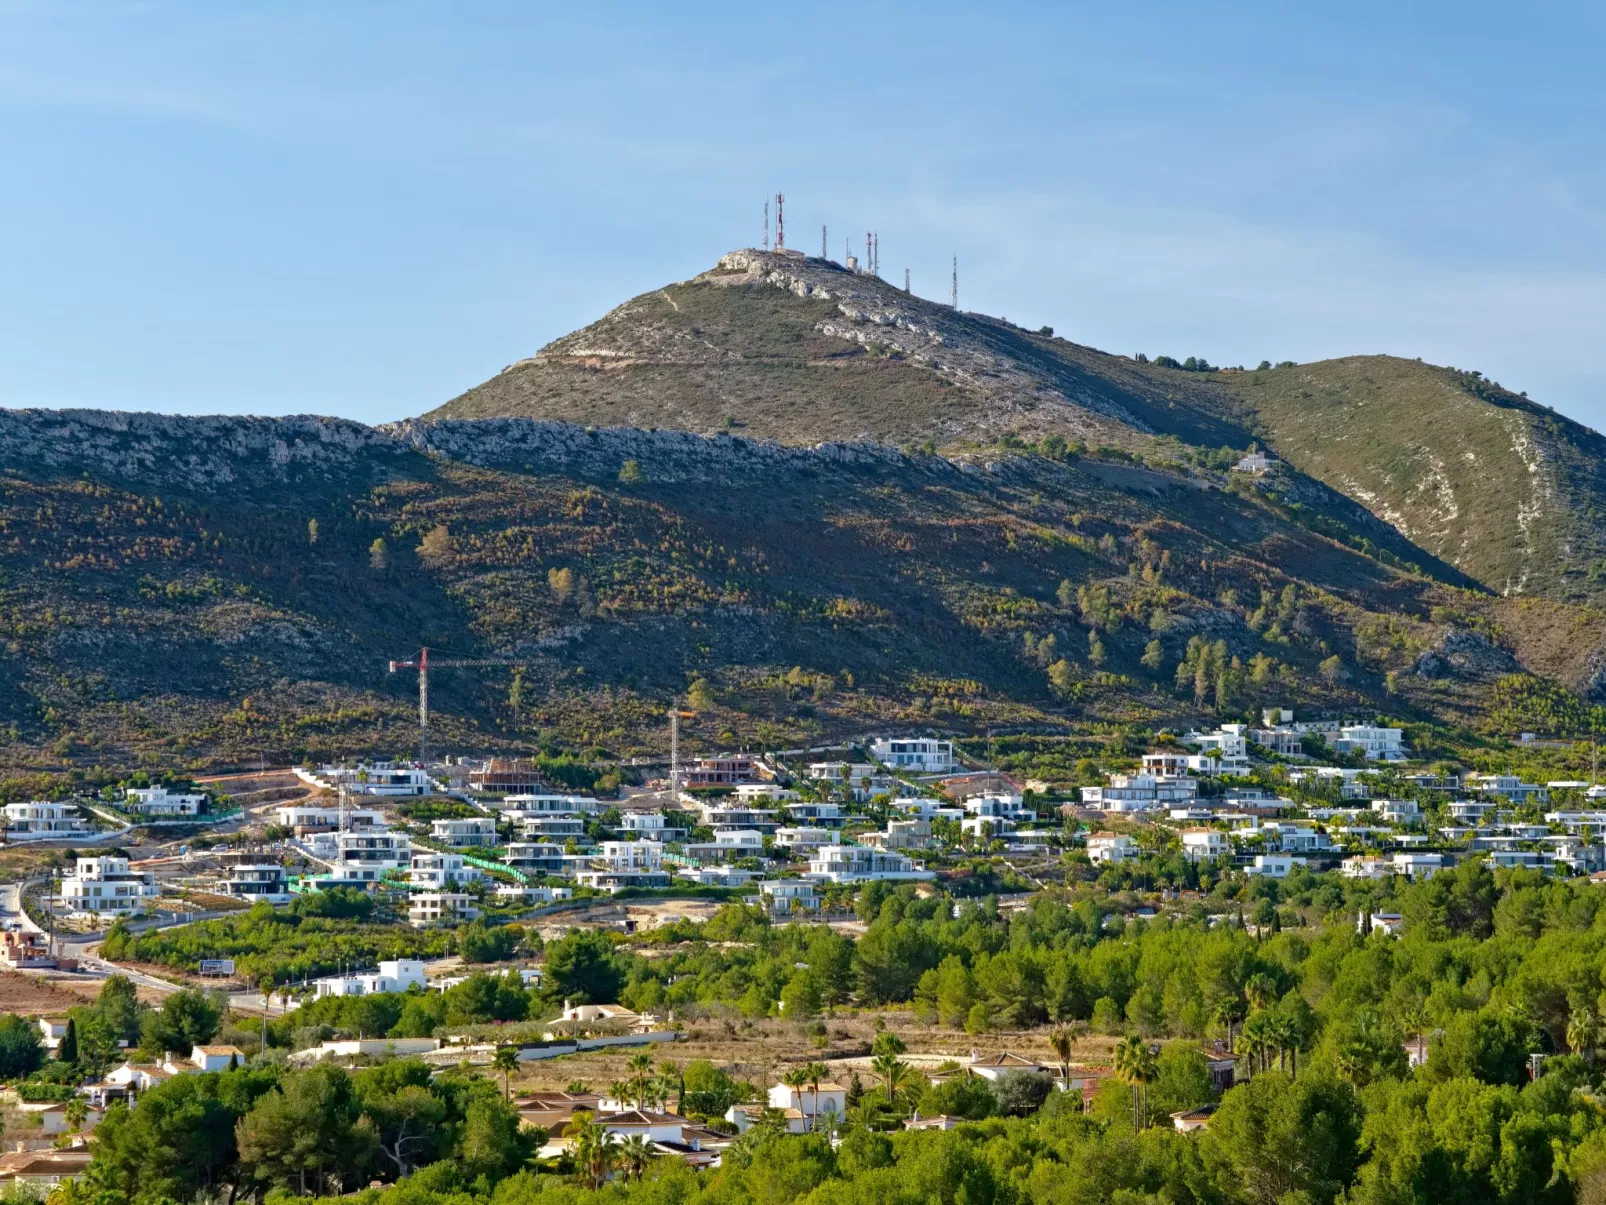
1466,655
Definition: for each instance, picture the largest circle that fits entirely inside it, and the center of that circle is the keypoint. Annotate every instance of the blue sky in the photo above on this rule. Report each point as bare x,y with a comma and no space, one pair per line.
362,209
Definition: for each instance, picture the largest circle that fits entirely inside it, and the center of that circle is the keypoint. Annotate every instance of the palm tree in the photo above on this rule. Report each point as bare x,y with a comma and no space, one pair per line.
1063,1040
1261,990
506,1060
816,1072
885,1067
1229,1010
70,1192
77,1113
593,1147
1135,1067
1256,1041
1583,1033
641,1067
797,1078
1414,1020
635,1153
620,1090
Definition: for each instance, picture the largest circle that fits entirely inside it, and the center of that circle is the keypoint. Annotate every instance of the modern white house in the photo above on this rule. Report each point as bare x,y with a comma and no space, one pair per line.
256,882
815,813
550,805
363,856
804,840
727,845
620,864
1228,744
1509,786
41,820
842,773
376,778
106,886
1274,866
1110,847
786,896
550,828
432,871
812,1101
308,818
159,801
544,856
394,975
464,832
426,908
1374,744
858,864
1142,793
924,755
1400,811
1205,844
648,826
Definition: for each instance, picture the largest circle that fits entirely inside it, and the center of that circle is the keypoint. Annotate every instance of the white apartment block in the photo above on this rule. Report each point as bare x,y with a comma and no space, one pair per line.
106,886
41,820
859,864
363,856
465,832
440,872
923,755
159,801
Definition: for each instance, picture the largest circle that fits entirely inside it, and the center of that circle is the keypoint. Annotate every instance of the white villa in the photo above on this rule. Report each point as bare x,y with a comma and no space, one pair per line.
464,832
858,864
441,908
1110,847
159,801
106,886
256,881
434,871
41,820
922,754
1142,793
395,975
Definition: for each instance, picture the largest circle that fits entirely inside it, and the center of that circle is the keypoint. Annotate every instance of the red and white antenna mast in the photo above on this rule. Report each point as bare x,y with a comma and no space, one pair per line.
780,222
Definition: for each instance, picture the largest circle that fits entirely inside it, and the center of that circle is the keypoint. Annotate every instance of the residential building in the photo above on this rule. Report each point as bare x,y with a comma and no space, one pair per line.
717,816
1285,742
441,908
529,806
378,778
1350,783
1508,785
727,845
913,833
726,770
994,1067
923,755
158,801
812,1100
1418,866
1256,463
34,1173
465,832
550,828
1008,807
1400,811
363,856
106,886
1386,923
1273,866
648,826
434,871
858,864
393,975
1110,847
1523,859
256,882
521,893
1205,844
716,876
20,948
1367,868
623,864
632,855
307,819
804,840
1374,744
815,813
841,772
1474,811
787,896
768,792
510,776
1141,793
1291,838
1229,744
544,856
40,820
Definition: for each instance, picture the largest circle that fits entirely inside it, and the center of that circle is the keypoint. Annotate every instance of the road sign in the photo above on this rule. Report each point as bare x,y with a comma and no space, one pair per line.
217,966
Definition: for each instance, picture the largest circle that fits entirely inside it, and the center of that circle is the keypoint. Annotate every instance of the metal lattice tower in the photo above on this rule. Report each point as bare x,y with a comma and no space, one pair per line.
823,254
766,223
906,280
956,283
780,222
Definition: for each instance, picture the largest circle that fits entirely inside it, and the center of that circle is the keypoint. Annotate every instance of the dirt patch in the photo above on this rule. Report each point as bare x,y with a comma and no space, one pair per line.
21,993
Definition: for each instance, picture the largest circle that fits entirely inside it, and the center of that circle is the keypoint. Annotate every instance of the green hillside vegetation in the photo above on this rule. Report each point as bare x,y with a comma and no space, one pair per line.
183,625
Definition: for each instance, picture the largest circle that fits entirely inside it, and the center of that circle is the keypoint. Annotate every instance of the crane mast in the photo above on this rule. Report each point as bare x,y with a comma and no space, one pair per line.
422,663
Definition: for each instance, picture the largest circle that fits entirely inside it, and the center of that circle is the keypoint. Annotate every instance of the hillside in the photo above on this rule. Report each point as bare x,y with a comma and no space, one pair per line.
166,596
802,351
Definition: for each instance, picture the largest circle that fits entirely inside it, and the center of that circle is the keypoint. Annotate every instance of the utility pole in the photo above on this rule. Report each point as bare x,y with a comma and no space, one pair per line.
956,283
766,223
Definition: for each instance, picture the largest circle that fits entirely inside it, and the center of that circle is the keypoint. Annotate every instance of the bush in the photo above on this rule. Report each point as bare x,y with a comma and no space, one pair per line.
1022,1093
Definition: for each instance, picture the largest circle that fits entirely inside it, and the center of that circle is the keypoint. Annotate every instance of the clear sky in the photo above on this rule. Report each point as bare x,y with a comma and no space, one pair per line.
364,208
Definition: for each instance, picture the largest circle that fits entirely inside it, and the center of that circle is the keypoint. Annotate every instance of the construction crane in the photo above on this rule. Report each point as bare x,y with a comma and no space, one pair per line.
422,663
